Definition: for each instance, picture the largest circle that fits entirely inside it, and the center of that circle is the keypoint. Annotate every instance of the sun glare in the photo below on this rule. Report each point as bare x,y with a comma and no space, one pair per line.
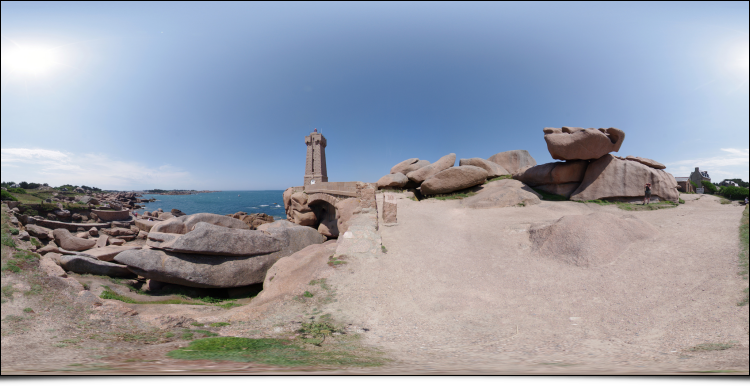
29,60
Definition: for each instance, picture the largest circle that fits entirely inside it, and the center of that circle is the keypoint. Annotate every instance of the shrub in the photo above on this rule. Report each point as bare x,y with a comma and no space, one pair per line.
14,231
5,196
17,190
734,192
694,184
709,186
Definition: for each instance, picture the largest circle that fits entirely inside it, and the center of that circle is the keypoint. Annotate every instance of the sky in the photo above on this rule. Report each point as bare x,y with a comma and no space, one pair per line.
191,95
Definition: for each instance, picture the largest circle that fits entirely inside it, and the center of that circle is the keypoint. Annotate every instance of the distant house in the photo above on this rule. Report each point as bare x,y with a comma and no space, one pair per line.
15,186
727,183
684,185
698,176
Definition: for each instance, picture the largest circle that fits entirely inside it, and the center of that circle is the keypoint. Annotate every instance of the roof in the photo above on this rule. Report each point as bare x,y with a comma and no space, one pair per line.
681,179
705,174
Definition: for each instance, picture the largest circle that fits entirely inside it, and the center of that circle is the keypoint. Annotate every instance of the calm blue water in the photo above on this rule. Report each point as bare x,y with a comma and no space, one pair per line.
250,201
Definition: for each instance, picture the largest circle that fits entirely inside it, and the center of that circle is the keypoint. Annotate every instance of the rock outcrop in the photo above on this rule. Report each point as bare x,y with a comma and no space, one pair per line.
514,160
588,240
453,179
185,224
211,239
394,180
611,178
218,271
576,143
85,264
561,178
345,209
426,172
493,169
646,161
501,194
65,240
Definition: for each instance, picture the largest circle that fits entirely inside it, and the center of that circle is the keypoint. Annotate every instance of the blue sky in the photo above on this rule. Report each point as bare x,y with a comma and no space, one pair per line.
220,95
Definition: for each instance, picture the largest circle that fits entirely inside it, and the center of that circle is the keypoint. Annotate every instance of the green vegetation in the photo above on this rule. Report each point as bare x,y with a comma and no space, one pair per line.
5,196
196,324
14,231
739,182
549,196
503,177
734,192
28,310
17,190
108,293
220,324
20,261
453,196
383,249
333,262
711,347
635,206
35,242
277,352
694,184
308,294
710,188
744,240
681,201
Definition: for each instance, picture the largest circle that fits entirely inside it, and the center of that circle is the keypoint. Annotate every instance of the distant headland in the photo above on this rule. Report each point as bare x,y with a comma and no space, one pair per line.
176,192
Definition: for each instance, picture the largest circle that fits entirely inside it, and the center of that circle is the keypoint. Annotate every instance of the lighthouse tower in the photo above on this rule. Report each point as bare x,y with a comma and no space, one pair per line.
315,168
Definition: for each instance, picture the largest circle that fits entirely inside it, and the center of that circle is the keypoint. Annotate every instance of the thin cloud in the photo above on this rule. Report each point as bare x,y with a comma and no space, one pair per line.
58,168
733,164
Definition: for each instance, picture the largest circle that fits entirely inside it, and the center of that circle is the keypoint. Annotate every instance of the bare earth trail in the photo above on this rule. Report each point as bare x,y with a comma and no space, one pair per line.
460,290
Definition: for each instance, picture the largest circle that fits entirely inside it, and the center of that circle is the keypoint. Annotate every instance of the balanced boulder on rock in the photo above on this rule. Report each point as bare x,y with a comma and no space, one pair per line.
561,178
646,161
577,143
612,178
514,160
453,179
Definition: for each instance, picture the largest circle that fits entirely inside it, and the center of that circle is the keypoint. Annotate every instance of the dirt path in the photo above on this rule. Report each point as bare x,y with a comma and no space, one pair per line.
459,289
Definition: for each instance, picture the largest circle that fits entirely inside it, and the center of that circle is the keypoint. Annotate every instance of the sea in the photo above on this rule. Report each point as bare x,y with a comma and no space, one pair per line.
270,202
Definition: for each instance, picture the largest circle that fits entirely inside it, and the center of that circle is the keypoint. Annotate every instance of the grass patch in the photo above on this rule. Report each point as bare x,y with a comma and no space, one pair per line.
277,352
333,262
220,324
35,242
196,324
453,196
724,201
28,310
21,260
108,293
550,197
711,347
308,294
383,249
681,201
635,206
503,177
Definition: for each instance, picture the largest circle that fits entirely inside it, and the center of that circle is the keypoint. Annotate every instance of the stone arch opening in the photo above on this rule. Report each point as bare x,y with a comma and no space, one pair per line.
324,207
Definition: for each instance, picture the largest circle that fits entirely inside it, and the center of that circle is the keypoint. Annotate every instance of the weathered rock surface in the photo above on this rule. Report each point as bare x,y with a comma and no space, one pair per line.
513,160
82,235
291,275
50,267
647,162
211,239
93,232
394,180
453,179
85,264
553,173
185,224
177,213
67,241
493,169
588,240
109,253
345,209
426,172
302,214
102,241
213,271
23,235
612,178
502,193
403,165
112,241
41,233
51,247
577,143
145,225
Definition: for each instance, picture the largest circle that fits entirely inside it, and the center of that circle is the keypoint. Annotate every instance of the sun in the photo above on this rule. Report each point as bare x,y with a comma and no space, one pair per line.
29,60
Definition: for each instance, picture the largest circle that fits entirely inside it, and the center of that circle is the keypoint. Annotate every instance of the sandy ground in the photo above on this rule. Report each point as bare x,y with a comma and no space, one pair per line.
460,290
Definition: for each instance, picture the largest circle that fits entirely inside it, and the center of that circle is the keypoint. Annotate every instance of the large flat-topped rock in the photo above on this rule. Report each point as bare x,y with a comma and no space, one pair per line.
513,160
211,239
185,224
